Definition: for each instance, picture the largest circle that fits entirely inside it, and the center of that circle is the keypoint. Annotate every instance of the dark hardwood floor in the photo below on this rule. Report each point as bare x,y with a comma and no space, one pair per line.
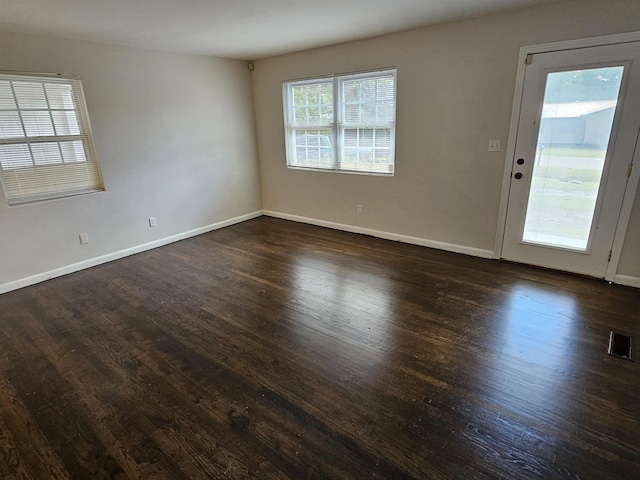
272,349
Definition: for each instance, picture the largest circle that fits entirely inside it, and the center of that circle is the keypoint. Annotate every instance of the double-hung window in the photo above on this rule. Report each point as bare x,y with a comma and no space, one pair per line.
342,123
46,148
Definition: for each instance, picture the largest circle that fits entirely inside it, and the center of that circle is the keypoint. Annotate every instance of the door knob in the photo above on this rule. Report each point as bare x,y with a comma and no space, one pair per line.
518,176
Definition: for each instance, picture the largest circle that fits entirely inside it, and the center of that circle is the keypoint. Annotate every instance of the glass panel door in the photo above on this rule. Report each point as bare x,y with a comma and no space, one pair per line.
578,121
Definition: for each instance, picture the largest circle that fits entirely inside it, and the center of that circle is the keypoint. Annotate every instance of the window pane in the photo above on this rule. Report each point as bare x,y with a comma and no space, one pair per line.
369,113
60,96
383,137
66,123
313,114
300,115
326,113
386,111
46,153
382,151
326,94
313,95
73,151
352,113
37,124
366,137
577,117
30,95
384,88
368,90
314,147
10,126
358,145
7,101
15,156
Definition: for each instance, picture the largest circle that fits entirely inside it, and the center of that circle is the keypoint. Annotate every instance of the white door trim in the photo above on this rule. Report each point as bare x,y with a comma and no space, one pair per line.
632,184
625,214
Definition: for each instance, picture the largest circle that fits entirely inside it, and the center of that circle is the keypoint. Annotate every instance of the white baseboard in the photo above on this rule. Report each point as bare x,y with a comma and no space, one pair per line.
92,262
423,242
627,280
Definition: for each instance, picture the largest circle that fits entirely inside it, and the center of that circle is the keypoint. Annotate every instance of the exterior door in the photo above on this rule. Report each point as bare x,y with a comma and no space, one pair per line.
577,133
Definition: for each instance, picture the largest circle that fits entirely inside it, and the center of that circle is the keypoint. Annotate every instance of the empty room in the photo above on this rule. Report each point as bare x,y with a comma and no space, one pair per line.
295,239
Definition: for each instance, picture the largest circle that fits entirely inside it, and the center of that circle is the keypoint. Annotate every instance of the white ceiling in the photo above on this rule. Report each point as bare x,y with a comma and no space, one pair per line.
243,29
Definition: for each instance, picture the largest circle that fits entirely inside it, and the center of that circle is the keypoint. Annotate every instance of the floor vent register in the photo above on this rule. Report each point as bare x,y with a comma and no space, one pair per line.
620,345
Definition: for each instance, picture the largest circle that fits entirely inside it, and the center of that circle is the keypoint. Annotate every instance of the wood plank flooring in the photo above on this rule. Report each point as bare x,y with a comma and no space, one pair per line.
277,350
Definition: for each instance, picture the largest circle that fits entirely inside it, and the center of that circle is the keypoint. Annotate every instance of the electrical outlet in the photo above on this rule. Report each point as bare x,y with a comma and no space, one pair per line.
359,209
495,145
152,222
84,238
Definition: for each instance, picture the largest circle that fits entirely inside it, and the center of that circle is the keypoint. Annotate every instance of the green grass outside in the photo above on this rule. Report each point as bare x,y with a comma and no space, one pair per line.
564,200
570,151
567,175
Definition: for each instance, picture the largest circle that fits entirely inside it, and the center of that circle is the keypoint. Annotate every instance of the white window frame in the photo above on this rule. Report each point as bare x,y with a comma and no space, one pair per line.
338,126
46,149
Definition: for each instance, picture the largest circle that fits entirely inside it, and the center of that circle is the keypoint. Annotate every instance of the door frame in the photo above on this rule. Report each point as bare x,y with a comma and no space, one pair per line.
632,183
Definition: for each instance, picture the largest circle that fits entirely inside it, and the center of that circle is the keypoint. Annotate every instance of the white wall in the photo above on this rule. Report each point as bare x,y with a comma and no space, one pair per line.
455,93
176,140
630,258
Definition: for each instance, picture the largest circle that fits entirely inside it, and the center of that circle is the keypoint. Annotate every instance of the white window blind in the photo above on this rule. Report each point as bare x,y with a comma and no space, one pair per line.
46,148
342,123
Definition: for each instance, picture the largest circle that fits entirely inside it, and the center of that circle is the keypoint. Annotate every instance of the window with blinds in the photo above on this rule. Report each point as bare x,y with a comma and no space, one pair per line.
46,148
342,123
